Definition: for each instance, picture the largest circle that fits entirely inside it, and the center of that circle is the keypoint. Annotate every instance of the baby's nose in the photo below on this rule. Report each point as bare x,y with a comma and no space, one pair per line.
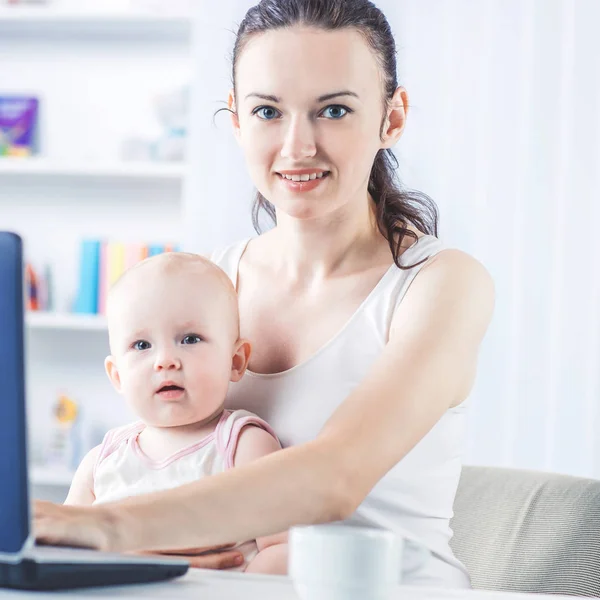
167,361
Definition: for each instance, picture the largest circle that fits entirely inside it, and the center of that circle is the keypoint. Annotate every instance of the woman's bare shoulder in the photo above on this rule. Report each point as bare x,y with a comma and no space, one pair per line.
452,283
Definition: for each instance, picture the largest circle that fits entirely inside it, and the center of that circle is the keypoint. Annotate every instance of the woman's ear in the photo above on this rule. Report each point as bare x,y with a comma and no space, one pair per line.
110,365
395,119
235,122
239,361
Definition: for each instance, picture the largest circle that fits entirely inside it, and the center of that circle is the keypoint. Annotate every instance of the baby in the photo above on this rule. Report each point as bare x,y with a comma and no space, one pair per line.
174,339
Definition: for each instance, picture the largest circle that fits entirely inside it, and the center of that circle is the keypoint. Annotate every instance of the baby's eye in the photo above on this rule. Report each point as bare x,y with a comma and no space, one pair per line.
335,111
191,338
266,113
141,345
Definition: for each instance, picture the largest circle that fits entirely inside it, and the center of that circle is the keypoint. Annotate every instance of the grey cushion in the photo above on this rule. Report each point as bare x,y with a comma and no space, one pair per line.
526,531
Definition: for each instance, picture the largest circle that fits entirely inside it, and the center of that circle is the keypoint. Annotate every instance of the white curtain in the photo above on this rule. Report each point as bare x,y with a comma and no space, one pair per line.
504,134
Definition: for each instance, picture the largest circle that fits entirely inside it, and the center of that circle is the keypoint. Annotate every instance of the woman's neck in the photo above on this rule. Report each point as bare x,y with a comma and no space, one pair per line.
320,248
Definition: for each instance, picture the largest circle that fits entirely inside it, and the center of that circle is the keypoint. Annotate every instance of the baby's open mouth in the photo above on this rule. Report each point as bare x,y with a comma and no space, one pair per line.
169,388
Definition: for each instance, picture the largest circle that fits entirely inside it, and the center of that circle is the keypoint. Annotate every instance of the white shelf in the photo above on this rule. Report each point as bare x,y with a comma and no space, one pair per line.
17,19
65,321
44,167
50,476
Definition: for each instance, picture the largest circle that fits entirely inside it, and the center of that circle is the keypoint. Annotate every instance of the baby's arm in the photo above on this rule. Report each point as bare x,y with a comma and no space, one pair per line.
82,487
254,443
272,555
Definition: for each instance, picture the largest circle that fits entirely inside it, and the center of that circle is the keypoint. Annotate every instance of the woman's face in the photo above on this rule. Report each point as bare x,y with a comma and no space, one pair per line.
310,107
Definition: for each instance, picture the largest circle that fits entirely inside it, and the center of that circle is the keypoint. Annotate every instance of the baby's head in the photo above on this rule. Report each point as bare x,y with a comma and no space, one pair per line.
173,327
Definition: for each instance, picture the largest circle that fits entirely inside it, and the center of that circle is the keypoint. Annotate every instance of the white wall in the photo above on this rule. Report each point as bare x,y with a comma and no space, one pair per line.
506,137
218,192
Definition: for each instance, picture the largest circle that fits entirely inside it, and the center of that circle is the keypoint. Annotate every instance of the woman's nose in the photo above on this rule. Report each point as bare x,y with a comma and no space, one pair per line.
299,142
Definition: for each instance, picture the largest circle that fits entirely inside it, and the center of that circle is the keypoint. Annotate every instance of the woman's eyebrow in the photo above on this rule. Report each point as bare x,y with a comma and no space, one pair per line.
323,98
327,97
263,97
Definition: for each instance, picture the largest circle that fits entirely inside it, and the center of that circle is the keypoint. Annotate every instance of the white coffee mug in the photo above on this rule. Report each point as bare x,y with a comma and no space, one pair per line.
346,562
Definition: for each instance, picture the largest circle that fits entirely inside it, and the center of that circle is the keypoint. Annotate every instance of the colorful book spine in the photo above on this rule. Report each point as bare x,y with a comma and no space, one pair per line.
31,283
101,265
115,258
89,260
103,278
116,262
154,249
134,253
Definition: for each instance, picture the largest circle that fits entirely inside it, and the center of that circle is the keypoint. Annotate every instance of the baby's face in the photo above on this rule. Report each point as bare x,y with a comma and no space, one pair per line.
172,338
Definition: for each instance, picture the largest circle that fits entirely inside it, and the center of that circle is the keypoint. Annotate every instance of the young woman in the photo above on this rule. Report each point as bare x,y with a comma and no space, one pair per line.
365,330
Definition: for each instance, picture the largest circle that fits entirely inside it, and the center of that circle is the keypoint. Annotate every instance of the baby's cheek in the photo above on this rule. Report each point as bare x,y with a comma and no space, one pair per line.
213,377
134,380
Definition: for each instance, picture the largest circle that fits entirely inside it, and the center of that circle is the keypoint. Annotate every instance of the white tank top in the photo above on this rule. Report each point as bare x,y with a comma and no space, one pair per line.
415,498
122,468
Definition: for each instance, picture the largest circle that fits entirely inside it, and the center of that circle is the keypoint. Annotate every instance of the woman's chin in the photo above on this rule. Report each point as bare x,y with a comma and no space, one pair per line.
303,209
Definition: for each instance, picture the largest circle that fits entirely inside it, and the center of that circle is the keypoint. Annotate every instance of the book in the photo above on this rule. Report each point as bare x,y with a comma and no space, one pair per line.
89,261
19,117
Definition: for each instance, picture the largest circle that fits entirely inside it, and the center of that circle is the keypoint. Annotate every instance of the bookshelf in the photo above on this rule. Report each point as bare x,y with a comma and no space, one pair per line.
98,72
44,168
40,20
65,321
50,476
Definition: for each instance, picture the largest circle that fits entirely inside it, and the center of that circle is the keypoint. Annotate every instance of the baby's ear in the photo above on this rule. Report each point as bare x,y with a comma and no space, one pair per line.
239,361
110,365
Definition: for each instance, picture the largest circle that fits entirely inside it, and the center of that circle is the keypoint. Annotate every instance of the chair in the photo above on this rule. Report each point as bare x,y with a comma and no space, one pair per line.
527,531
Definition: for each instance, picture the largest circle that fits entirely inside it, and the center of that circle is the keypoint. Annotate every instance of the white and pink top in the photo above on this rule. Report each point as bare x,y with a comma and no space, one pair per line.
123,469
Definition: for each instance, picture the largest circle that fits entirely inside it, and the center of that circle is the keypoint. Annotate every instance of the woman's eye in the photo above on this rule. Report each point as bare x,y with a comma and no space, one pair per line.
191,338
335,111
141,345
266,113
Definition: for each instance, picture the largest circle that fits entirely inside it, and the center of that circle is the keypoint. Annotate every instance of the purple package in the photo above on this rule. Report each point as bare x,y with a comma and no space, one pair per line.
18,125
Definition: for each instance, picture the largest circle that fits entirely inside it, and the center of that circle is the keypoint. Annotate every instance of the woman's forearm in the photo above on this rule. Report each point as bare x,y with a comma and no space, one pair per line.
237,505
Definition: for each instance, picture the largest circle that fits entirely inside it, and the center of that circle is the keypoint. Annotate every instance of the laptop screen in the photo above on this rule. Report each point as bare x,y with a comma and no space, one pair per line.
14,501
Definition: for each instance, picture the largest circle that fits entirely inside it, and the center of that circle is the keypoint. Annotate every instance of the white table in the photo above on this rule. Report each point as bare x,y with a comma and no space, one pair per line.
200,584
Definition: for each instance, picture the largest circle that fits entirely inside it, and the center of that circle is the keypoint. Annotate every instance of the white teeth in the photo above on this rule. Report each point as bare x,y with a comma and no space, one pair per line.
306,177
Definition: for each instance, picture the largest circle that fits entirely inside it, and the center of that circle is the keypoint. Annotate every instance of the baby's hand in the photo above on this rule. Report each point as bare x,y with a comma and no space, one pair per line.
273,560
217,557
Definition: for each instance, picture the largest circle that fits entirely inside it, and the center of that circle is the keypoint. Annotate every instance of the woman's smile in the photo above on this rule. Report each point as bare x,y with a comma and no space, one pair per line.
302,180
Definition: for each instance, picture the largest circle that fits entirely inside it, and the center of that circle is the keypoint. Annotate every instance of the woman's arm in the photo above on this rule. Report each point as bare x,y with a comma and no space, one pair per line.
427,367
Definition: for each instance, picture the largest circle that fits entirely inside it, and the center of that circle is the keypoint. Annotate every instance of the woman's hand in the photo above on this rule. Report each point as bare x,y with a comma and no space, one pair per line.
81,526
92,527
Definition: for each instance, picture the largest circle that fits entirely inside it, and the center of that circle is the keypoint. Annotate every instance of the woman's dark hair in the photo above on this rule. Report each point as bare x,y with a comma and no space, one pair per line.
395,207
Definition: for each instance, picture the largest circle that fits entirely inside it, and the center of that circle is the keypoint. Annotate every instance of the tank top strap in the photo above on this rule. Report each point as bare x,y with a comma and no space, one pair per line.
228,258
115,437
413,259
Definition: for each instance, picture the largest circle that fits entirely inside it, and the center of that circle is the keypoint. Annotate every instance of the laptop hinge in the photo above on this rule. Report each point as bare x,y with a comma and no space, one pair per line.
17,557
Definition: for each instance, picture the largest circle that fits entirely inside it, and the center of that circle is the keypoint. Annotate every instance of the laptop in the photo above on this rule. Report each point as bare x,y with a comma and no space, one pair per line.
23,564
